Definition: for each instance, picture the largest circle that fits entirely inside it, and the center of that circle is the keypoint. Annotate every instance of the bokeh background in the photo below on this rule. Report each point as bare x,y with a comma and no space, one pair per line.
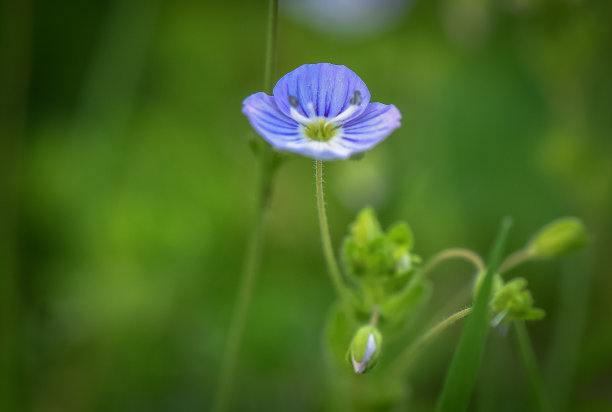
128,186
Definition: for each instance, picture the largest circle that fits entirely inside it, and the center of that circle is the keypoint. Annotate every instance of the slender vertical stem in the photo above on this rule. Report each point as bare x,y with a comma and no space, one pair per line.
374,316
15,61
271,43
328,250
568,336
241,306
255,245
531,367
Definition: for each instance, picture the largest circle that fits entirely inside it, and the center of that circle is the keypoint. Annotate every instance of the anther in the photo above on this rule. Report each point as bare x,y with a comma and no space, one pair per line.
293,101
356,99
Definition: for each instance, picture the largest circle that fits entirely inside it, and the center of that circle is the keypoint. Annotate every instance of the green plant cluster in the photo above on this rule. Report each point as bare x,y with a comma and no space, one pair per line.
383,267
512,301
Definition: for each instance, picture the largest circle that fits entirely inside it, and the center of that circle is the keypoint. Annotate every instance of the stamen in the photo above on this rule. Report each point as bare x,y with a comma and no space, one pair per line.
356,99
311,110
345,114
319,129
295,115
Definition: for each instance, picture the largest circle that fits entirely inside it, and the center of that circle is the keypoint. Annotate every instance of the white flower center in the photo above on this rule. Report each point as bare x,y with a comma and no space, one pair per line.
322,129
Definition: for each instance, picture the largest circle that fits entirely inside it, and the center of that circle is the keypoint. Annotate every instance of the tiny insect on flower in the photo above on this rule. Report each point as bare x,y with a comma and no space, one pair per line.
322,111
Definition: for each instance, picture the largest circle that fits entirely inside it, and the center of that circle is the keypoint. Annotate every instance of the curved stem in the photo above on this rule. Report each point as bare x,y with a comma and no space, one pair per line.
404,360
515,259
254,248
455,253
328,250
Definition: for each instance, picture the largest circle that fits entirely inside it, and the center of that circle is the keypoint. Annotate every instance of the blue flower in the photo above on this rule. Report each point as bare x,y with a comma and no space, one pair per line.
322,111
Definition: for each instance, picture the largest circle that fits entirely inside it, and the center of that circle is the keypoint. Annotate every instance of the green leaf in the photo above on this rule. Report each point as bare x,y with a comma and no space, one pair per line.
464,367
530,364
338,333
398,307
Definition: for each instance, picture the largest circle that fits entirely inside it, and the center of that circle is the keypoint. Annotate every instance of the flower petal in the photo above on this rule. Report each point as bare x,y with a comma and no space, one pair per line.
372,126
323,90
332,150
276,128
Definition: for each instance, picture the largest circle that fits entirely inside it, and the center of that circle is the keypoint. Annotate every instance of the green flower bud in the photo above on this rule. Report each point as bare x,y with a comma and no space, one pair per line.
514,301
400,241
366,228
369,252
561,237
364,349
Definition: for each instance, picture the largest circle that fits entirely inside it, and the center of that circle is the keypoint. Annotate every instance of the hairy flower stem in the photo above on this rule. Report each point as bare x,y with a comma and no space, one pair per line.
255,245
515,259
403,362
328,250
374,317
531,367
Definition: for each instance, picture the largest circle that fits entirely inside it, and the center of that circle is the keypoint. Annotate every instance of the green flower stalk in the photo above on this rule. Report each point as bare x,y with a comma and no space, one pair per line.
559,238
267,165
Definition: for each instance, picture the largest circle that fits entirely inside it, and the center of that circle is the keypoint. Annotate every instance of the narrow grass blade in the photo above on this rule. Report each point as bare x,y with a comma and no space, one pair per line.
530,365
463,370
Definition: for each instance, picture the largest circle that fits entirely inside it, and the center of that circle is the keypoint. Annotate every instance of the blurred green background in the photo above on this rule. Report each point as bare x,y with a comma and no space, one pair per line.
128,185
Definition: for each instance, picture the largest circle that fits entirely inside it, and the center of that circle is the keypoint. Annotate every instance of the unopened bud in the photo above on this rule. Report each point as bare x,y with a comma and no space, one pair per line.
561,237
365,348
366,227
514,301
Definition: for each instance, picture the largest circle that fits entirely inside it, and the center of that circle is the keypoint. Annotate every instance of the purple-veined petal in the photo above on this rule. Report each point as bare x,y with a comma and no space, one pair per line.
323,90
277,129
372,126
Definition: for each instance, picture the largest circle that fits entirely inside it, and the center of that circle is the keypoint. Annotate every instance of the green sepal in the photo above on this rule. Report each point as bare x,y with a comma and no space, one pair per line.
514,301
357,156
366,227
254,143
368,251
